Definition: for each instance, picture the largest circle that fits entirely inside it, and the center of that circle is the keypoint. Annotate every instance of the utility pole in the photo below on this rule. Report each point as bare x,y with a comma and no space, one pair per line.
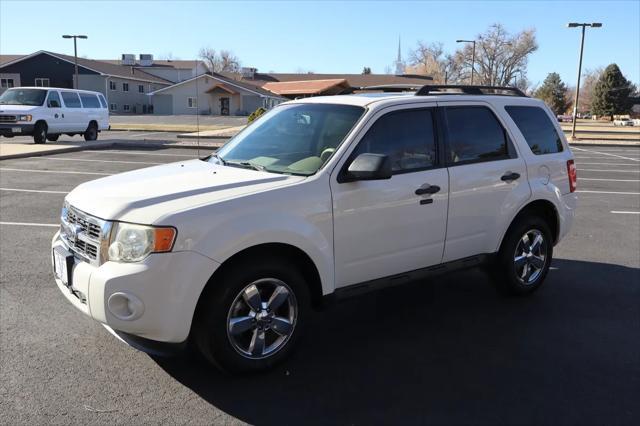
75,55
473,56
575,104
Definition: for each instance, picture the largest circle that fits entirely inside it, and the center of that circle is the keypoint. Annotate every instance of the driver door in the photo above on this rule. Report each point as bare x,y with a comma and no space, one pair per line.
387,227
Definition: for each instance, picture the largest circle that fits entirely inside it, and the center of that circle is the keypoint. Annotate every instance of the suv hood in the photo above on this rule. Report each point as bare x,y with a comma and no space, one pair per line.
147,195
16,109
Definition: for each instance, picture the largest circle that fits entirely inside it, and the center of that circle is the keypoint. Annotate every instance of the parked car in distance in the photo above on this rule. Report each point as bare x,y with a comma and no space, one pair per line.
320,198
623,122
565,118
47,113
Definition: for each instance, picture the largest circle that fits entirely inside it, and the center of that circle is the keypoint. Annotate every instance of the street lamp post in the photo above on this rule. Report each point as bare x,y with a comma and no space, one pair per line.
575,104
473,55
75,55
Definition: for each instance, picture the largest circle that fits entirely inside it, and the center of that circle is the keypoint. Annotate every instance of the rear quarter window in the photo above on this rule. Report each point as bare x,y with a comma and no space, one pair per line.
71,100
89,100
537,129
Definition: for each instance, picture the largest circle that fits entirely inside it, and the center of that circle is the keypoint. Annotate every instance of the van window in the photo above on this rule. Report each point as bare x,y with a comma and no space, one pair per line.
474,135
71,100
537,129
103,102
53,101
89,100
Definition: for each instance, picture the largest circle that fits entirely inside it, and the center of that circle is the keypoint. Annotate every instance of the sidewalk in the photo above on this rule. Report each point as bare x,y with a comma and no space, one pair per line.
213,134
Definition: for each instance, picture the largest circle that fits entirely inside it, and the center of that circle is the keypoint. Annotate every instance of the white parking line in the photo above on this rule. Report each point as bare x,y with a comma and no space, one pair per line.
607,192
605,153
611,180
51,225
610,171
589,157
68,172
98,161
604,164
40,191
143,153
146,134
623,212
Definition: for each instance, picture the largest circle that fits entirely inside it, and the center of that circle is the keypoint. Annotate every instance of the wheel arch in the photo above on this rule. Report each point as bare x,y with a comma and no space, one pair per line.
542,208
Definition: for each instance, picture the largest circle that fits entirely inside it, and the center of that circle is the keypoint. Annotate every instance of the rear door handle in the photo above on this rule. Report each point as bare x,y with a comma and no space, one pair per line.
509,176
427,189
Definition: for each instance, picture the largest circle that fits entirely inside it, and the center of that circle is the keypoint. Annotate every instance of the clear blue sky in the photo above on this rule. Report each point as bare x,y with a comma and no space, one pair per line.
338,37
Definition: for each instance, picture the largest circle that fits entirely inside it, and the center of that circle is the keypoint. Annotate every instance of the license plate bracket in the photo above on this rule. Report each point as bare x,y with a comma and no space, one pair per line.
63,263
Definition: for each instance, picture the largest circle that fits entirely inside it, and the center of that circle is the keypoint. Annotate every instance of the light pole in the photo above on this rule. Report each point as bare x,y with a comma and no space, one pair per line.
75,55
473,55
575,104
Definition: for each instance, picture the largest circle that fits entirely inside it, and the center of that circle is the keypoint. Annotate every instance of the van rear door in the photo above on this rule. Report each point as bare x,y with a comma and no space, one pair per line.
74,116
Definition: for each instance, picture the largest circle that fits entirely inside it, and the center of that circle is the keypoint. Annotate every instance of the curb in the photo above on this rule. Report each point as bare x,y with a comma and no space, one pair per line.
58,151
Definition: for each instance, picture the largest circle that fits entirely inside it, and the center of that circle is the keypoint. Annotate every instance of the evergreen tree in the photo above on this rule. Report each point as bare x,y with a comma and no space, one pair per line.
553,92
366,70
611,93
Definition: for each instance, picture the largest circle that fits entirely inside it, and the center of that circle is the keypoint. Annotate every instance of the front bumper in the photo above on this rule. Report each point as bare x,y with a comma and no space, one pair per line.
16,129
162,292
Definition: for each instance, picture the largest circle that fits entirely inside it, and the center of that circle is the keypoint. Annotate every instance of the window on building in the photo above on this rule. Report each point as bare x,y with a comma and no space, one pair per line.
112,85
192,103
126,108
475,135
537,129
89,100
113,107
140,88
103,102
53,101
125,87
407,137
42,82
6,83
71,100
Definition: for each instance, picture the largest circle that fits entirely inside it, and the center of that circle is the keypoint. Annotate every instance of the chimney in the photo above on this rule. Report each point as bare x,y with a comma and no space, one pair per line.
146,60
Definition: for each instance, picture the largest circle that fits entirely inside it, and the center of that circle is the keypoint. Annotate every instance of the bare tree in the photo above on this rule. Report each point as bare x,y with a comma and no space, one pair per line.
590,78
225,61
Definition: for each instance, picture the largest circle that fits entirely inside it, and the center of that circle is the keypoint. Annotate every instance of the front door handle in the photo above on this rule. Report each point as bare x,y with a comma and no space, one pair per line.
509,176
427,189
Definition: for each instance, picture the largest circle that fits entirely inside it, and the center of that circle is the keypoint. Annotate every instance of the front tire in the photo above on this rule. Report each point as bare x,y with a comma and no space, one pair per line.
524,257
40,133
252,315
91,134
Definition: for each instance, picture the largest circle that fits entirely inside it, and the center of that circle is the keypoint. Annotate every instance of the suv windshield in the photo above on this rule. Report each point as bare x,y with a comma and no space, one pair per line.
292,139
31,97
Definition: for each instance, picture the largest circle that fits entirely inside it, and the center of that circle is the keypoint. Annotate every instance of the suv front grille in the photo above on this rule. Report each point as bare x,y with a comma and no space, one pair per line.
84,234
8,118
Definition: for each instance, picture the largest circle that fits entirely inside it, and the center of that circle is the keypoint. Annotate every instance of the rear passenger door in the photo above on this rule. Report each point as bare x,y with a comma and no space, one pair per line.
487,178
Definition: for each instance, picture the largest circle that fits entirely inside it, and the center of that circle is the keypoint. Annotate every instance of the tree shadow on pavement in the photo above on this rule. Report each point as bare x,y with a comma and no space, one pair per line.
452,350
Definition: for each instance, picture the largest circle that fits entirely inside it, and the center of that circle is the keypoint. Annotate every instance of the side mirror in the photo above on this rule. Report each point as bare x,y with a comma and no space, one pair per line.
369,167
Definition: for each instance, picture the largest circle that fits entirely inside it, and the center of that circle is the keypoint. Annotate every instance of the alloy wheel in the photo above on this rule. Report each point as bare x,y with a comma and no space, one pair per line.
530,256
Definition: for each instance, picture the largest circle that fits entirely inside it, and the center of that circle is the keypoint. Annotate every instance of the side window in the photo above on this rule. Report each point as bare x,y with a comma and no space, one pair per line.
71,100
103,102
113,107
537,129
140,88
407,137
112,85
89,100
53,101
475,135
125,87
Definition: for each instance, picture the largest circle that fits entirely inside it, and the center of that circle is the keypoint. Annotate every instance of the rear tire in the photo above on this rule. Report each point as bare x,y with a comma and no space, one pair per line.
52,138
524,257
91,134
251,316
40,133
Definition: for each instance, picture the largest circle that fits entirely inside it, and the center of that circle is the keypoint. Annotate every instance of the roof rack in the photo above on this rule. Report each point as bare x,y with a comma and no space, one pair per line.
454,89
392,87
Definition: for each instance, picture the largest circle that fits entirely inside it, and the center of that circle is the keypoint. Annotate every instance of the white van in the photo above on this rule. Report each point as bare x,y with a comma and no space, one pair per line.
47,113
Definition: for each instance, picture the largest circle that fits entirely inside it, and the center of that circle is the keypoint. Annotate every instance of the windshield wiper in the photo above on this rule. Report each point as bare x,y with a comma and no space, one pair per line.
246,165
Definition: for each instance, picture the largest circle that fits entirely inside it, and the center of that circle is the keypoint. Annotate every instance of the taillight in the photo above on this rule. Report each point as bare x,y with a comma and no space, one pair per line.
573,175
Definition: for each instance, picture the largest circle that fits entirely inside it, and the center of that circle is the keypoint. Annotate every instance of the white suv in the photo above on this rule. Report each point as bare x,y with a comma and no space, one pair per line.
325,196
46,113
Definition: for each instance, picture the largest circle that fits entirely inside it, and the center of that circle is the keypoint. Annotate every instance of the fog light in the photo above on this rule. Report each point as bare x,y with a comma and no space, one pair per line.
126,307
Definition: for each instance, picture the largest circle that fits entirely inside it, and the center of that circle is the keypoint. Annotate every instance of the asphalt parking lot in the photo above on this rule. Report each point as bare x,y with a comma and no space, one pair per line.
447,351
105,135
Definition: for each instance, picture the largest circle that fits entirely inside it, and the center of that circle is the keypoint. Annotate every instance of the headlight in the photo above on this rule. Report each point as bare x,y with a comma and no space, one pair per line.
132,243
25,117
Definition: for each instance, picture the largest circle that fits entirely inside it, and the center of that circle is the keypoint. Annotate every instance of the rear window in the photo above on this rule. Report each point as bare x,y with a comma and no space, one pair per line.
102,101
89,101
537,129
475,135
71,100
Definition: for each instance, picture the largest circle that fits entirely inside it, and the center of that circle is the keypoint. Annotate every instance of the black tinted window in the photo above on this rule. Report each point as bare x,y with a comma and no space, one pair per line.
89,101
407,137
71,100
537,129
474,135
102,101
53,101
